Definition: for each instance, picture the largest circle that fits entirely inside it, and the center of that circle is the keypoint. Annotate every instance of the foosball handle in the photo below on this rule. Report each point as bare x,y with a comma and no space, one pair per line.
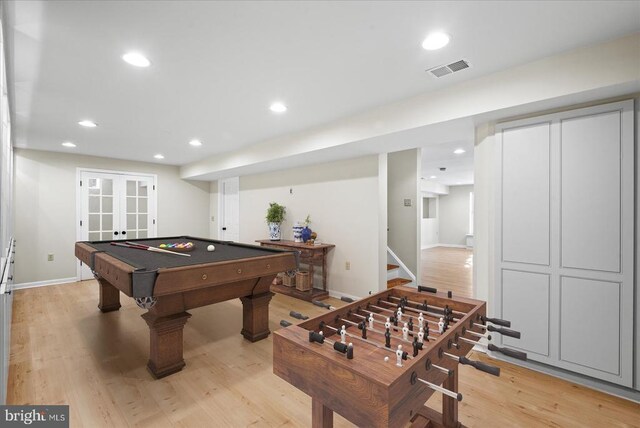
422,288
315,337
347,299
504,331
298,315
510,352
343,348
285,323
497,321
321,304
479,365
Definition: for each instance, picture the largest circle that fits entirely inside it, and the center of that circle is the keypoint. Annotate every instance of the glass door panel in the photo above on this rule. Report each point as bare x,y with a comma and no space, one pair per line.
138,202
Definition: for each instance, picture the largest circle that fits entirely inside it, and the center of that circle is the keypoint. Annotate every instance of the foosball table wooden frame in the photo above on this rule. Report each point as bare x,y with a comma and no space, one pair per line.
339,358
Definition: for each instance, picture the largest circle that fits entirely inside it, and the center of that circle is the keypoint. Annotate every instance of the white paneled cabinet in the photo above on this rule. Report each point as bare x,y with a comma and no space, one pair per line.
564,238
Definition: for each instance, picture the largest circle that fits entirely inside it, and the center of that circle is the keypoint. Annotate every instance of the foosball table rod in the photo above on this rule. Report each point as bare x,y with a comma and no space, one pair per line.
422,305
445,391
478,365
414,310
323,325
374,330
389,310
410,333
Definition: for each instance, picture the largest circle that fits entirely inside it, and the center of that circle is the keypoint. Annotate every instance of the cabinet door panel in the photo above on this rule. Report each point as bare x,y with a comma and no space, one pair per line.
525,302
590,323
525,194
590,189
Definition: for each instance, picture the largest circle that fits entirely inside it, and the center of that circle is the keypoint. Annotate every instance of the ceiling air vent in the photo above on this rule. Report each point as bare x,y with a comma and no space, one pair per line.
443,70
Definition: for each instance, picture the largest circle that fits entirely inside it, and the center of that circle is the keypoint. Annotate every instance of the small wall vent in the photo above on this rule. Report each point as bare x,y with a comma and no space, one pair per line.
443,70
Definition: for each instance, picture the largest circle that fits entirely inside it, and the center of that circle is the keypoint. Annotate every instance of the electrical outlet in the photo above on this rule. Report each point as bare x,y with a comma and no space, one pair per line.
347,265
49,257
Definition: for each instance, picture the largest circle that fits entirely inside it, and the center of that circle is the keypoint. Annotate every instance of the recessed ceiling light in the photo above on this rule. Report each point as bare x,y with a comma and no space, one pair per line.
435,41
158,156
278,108
195,143
433,176
68,144
136,59
87,123
459,151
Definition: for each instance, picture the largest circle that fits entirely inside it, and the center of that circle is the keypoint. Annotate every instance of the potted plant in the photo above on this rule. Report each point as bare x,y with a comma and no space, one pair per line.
275,217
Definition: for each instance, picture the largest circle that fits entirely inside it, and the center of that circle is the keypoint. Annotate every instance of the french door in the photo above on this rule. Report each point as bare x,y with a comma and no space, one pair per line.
114,206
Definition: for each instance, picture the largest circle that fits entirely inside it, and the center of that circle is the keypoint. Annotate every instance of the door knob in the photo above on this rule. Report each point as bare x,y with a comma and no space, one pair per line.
224,228
124,232
115,233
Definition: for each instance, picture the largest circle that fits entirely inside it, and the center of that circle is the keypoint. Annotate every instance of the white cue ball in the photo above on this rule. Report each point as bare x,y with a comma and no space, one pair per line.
386,359
211,248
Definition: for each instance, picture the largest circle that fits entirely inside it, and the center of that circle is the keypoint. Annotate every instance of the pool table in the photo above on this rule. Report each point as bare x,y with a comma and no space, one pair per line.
167,285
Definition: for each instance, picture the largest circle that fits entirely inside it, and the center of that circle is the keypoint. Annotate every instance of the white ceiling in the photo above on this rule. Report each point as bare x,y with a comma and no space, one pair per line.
459,167
216,66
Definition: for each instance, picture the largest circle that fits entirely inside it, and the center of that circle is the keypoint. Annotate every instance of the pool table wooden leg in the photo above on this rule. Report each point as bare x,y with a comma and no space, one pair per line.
255,316
165,353
109,296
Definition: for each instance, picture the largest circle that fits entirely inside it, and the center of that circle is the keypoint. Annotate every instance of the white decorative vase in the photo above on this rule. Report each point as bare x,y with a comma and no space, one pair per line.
297,232
274,231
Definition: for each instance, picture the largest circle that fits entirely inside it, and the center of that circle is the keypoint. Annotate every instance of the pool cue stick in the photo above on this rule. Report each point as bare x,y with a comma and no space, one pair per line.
147,248
156,249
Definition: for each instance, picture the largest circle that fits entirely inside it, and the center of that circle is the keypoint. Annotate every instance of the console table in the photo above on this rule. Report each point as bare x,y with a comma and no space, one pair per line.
311,255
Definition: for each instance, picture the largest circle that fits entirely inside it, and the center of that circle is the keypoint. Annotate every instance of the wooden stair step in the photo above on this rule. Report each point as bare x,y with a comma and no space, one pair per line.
392,267
397,281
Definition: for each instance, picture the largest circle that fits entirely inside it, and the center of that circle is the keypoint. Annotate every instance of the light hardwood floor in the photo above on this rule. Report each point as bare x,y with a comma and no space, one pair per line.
64,351
448,268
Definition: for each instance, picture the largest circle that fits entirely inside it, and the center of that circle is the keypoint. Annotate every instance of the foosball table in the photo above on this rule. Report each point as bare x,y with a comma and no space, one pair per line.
376,361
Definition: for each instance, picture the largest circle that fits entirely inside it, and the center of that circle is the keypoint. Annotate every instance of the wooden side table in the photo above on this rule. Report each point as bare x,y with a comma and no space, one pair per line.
311,255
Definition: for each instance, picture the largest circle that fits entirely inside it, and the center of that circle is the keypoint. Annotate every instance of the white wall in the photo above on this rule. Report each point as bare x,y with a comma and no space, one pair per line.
214,228
404,221
430,230
45,208
342,200
454,215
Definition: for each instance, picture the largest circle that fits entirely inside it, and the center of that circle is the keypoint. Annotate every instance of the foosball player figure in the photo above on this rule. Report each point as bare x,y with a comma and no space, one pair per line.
387,338
410,323
363,327
399,314
416,346
405,331
371,320
421,335
387,325
399,353
420,320
441,325
343,334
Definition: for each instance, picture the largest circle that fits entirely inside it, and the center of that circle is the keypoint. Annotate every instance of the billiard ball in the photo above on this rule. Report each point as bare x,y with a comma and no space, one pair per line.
211,248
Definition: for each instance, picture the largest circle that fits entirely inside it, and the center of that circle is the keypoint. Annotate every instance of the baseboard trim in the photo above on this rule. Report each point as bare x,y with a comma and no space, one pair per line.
426,247
451,246
338,295
43,283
